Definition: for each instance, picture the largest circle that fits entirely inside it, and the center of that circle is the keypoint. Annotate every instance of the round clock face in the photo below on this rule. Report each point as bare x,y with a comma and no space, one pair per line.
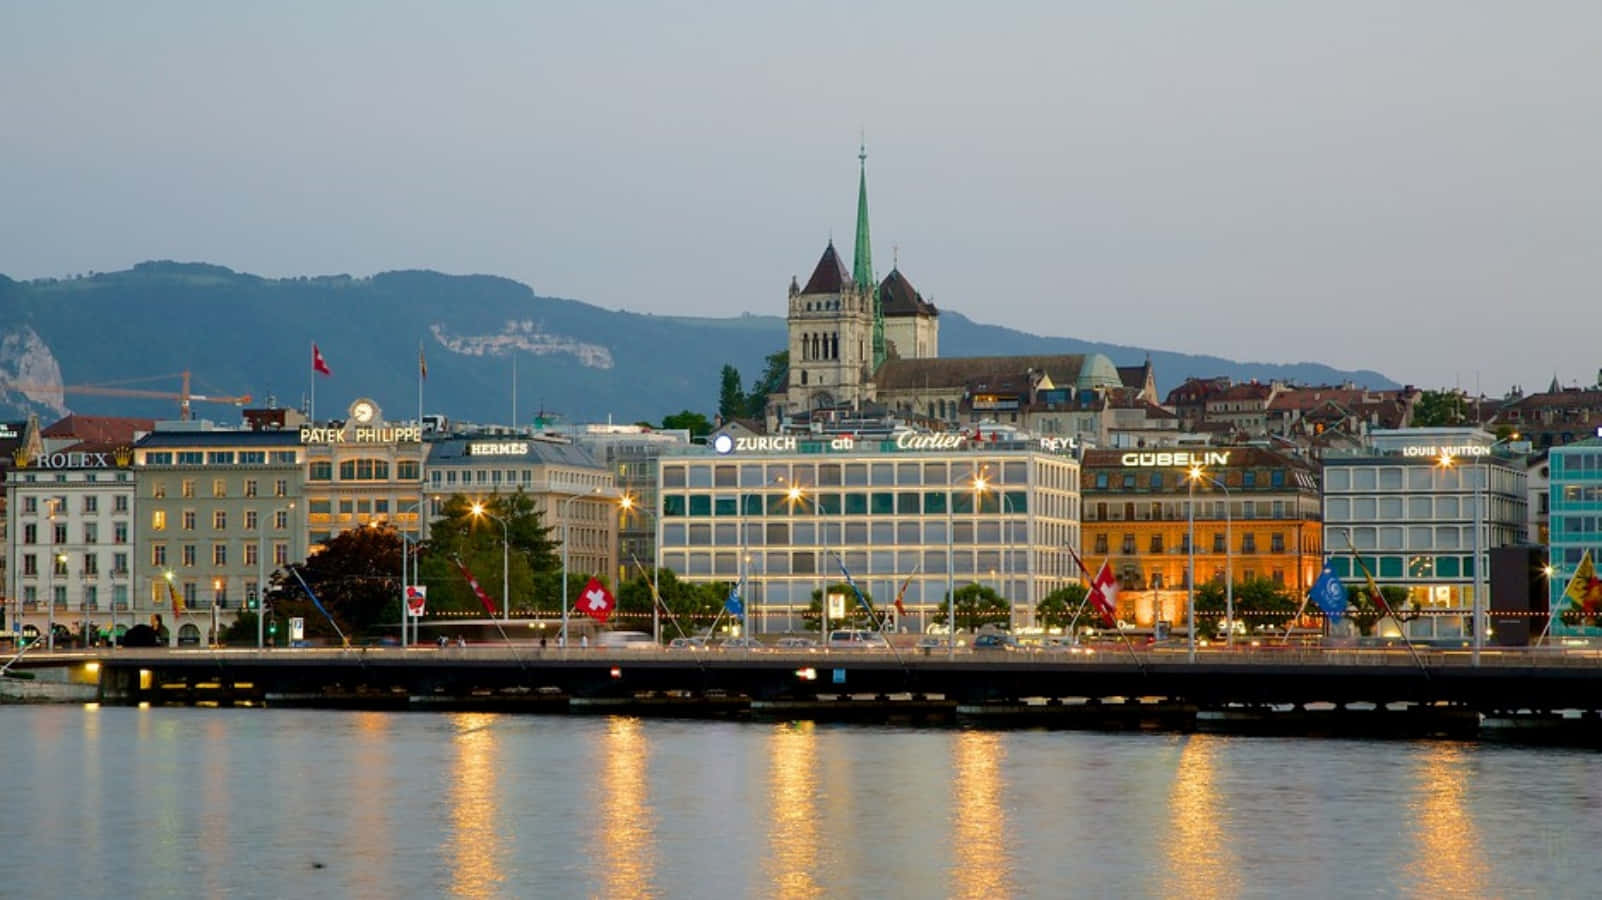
723,443
362,412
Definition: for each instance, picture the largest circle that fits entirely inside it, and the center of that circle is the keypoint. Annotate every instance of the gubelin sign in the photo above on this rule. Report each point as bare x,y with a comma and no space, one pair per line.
1183,459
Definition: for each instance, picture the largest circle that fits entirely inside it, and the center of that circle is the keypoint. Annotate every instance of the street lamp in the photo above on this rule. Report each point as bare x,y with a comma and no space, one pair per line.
561,508
1196,474
479,511
61,563
978,484
980,487
261,574
627,505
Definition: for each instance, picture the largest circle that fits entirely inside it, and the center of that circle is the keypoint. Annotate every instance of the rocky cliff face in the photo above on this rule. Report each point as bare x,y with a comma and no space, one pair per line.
26,367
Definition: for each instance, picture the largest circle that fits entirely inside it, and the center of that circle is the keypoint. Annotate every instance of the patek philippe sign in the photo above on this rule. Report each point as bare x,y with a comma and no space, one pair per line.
1183,459
361,434
497,448
1446,451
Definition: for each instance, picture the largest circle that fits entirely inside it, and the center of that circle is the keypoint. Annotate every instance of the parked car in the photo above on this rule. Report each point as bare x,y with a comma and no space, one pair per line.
687,643
995,641
743,643
857,639
796,643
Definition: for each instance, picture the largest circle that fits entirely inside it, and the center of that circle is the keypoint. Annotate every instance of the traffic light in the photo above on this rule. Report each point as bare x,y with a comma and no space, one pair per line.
250,597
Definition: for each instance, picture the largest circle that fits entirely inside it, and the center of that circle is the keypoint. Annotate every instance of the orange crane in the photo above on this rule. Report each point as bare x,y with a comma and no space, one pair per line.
183,396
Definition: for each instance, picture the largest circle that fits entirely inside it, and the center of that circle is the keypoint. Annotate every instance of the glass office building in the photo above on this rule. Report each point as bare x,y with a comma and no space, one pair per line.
784,512
1575,528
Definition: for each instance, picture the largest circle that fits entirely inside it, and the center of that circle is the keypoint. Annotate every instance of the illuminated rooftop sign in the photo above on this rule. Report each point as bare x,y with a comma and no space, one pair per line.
497,448
1183,459
1439,451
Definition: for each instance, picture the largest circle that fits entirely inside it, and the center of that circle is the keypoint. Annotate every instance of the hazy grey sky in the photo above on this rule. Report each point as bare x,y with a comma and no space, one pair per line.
1411,187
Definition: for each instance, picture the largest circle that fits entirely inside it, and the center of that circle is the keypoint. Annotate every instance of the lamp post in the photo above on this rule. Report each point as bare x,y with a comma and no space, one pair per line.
261,574
1190,573
1196,474
561,507
627,505
1476,517
479,511
978,484
59,561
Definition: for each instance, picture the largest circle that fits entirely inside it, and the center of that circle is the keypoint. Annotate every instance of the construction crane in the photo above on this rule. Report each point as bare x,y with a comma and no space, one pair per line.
183,396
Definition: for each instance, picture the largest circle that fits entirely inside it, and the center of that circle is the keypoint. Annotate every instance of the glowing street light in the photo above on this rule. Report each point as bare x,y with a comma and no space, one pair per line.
1197,474
627,505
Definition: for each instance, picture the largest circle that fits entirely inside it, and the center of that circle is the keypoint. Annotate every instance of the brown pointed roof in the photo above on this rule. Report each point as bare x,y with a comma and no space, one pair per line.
897,297
829,276
107,430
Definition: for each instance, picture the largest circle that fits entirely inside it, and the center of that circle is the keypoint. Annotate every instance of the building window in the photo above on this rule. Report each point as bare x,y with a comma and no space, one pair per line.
219,554
91,564
1248,543
119,503
30,564
158,490
1276,542
407,470
189,595
158,554
364,470
219,487
60,567
219,520
281,488
280,554
60,532
281,519
188,519
251,520
91,532
1218,542
1156,543
91,503
30,504
30,532
119,533
251,556
1129,543
250,487
119,564
188,555
321,471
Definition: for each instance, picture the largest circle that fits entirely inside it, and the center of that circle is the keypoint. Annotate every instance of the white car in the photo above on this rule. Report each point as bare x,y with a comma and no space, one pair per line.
857,639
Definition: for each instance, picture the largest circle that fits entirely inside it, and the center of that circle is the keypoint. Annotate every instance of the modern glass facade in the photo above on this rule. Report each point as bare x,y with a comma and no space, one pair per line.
890,514
1411,519
1575,528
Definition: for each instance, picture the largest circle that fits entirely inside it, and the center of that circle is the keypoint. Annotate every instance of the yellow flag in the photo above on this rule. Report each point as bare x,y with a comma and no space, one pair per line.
1585,589
177,601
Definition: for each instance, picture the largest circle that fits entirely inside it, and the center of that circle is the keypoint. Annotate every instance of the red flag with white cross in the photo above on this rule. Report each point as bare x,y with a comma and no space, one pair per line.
596,601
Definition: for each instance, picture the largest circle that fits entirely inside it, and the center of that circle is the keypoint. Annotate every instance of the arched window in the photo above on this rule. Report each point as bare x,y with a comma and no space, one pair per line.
364,470
189,635
803,377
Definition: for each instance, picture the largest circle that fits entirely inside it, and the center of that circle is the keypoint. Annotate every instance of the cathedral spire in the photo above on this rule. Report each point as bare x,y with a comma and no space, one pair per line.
862,257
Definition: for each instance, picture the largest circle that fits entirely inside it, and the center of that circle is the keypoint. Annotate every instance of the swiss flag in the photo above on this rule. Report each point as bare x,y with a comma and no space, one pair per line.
320,365
1104,595
596,601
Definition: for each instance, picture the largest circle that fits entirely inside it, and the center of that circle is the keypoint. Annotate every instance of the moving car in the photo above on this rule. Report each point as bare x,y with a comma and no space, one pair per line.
687,643
625,640
743,643
796,643
857,639
995,641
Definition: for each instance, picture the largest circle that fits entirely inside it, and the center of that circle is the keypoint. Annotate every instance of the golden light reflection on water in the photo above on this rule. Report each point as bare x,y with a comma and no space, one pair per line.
627,834
1447,858
475,836
369,832
983,866
216,790
792,789
1201,859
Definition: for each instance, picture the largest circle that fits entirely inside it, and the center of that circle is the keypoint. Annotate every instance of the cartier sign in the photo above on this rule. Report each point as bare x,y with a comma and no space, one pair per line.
1179,458
910,441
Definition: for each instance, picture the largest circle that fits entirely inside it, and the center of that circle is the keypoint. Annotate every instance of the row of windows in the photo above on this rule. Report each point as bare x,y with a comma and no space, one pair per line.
834,534
91,533
219,520
89,592
219,488
905,503
364,469
1156,543
65,477
1414,566
855,474
1177,480
863,565
1205,509
1581,493
219,457
1570,463
188,554
1464,476
88,563
54,505
1411,537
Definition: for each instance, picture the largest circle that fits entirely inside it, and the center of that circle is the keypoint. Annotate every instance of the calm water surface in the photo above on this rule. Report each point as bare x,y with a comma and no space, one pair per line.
188,802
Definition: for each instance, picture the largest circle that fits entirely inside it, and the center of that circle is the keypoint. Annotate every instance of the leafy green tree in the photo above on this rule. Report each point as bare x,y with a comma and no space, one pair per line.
356,576
773,379
1056,609
1439,408
1365,614
242,631
977,605
1258,602
731,397
697,424
476,541
856,615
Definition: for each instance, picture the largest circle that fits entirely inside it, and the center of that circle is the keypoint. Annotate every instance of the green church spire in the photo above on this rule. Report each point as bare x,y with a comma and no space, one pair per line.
862,258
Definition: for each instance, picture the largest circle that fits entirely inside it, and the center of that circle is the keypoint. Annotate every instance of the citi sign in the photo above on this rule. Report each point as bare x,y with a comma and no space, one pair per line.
1182,459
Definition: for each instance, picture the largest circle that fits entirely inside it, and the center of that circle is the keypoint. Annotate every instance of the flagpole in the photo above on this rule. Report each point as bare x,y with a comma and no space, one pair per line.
311,410
1385,607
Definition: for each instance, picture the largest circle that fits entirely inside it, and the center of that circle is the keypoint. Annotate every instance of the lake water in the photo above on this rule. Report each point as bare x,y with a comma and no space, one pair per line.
194,802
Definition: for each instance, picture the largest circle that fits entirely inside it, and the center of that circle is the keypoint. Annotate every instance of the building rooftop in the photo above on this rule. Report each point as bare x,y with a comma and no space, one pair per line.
491,449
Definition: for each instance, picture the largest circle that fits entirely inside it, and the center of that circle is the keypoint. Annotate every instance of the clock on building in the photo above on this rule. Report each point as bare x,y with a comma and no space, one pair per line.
364,412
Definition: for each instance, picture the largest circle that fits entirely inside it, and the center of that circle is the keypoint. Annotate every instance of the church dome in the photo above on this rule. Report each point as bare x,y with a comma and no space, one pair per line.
1097,371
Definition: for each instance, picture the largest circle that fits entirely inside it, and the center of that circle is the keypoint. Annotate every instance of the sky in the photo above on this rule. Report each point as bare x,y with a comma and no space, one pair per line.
1408,187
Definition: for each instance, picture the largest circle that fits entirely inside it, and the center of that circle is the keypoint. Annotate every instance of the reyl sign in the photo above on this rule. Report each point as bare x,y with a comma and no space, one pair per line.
1180,458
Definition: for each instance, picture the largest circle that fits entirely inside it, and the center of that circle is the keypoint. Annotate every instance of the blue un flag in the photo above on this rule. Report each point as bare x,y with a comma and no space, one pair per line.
733,605
1329,594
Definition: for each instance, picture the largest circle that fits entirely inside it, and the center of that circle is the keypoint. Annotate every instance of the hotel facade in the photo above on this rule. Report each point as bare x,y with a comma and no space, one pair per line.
784,512
1257,515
